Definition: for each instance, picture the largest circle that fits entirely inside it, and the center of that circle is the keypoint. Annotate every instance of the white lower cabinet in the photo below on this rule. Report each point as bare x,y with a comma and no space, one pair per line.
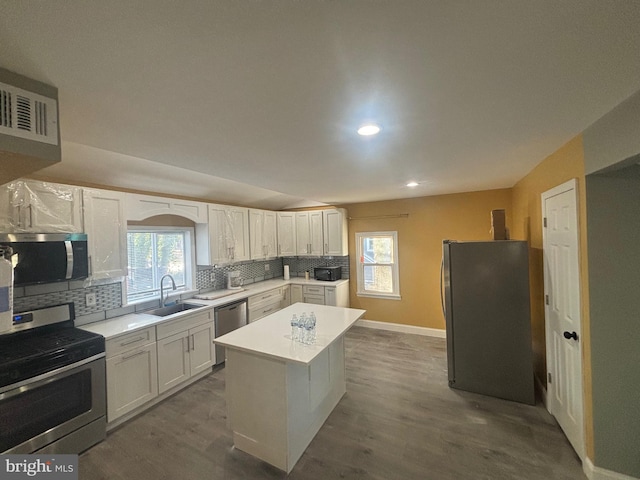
266,303
286,296
337,296
143,365
185,348
132,372
296,294
313,294
173,361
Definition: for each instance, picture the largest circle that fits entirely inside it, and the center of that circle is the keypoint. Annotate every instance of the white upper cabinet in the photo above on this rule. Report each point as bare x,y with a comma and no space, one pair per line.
286,234
225,238
43,207
262,234
303,236
106,228
140,207
238,233
321,232
309,233
316,235
335,232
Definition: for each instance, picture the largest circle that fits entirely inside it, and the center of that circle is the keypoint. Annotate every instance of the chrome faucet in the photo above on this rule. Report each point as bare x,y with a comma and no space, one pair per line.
173,283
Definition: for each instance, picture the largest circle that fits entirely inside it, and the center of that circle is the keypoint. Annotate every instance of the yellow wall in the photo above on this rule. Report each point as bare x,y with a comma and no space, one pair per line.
561,166
464,216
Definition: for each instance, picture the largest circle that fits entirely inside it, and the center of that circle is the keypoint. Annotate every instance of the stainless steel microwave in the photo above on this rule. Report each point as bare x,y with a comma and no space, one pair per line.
47,257
329,274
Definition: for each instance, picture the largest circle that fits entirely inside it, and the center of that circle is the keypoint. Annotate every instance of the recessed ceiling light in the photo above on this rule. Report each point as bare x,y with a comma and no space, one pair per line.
368,129
412,184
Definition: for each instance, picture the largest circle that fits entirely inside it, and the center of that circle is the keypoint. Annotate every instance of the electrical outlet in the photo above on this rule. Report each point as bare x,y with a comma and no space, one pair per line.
90,300
266,267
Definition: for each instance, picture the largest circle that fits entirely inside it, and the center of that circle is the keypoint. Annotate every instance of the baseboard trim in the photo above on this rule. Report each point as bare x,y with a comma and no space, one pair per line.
596,473
543,392
398,327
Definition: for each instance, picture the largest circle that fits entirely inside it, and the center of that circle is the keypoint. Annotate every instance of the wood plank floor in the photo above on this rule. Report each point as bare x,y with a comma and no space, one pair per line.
398,420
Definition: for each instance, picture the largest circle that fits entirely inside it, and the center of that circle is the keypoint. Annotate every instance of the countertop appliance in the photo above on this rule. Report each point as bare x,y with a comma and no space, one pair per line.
234,280
47,257
52,384
486,308
328,274
228,318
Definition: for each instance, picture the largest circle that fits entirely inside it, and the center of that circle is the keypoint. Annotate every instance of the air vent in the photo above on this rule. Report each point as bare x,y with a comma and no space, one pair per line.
28,115
5,109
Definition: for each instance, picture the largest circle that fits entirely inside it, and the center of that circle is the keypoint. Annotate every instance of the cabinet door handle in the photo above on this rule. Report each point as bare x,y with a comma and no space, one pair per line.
129,342
135,354
193,342
188,345
30,207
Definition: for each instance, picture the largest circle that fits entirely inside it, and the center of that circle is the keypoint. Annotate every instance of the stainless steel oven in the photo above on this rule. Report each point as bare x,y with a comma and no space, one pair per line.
52,388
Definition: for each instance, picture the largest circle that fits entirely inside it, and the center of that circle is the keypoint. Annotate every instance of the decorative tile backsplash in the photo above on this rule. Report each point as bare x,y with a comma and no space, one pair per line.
299,265
108,297
215,278
109,301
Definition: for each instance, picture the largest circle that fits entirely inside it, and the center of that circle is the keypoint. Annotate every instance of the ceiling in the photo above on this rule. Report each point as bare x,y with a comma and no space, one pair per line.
257,102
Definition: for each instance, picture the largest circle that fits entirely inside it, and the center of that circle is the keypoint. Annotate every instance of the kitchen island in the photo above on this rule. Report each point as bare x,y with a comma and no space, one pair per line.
280,392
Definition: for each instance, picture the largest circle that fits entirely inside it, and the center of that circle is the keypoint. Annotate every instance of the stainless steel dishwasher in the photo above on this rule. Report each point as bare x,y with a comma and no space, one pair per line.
227,318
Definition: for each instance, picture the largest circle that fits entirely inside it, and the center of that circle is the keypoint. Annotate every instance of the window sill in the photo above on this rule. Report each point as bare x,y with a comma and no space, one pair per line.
379,295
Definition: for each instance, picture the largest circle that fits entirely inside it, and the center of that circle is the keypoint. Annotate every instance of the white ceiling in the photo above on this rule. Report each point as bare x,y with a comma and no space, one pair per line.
257,102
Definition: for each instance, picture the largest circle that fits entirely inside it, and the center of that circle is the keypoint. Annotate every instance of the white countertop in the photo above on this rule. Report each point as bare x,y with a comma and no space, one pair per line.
271,335
136,321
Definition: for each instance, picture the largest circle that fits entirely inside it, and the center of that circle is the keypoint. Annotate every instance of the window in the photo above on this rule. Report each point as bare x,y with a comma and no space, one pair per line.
377,271
153,253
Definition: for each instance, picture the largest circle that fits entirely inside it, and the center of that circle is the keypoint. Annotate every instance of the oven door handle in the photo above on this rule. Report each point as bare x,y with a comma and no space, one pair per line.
6,392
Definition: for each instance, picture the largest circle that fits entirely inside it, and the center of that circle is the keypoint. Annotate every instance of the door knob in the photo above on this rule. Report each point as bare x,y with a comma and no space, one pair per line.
573,335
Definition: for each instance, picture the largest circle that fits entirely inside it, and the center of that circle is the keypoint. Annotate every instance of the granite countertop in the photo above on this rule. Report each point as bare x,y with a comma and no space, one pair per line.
271,336
137,321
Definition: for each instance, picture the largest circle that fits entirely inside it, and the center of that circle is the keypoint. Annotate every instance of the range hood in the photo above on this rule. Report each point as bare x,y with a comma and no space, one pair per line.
29,126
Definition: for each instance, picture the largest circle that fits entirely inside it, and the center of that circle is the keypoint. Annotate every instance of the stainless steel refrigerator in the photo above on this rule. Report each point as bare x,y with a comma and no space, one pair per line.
486,307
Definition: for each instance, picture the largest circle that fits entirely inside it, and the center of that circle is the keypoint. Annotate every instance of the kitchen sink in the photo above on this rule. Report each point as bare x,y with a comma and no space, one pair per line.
171,309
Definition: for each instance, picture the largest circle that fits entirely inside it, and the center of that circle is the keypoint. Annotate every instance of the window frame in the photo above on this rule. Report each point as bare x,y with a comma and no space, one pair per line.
190,262
360,238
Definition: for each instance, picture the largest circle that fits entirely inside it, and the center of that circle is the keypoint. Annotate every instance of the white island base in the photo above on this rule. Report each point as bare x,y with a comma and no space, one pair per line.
280,393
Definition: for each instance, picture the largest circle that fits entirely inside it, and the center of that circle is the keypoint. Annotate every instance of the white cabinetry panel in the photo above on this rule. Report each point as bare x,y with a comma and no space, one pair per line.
286,234
106,229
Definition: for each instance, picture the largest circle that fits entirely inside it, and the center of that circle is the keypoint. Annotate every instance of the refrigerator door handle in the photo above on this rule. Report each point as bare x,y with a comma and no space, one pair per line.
444,311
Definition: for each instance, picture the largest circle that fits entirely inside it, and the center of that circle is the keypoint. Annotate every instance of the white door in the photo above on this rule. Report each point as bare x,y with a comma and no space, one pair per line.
239,225
201,354
562,311
303,233
256,234
286,234
106,229
270,234
52,208
316,232
173,361
333,232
